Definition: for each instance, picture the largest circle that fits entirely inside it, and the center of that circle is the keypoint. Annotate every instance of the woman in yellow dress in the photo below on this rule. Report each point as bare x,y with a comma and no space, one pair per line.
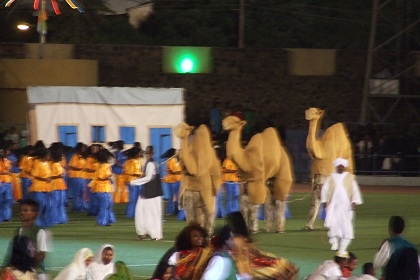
173,179
76,178
102,189
41,188
25,166
89,175
132,171
59,187
6,197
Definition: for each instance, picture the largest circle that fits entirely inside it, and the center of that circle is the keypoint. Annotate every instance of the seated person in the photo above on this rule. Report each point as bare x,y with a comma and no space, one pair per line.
351,265
22,260
368,272
102,264
252,261
330,269
221,266
192,253
77,268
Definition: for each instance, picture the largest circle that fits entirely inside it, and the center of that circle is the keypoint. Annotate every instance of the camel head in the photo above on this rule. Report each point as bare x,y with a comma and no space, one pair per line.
183,130
232,123
313,114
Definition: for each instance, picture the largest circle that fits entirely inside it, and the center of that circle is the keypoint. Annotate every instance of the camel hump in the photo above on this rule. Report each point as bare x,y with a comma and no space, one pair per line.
272,134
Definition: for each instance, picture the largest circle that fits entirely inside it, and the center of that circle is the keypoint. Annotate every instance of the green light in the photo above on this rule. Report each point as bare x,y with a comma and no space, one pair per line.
191,60
187,65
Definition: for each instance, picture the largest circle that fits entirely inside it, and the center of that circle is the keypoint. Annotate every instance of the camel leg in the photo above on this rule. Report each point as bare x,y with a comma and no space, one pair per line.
280,215
317,182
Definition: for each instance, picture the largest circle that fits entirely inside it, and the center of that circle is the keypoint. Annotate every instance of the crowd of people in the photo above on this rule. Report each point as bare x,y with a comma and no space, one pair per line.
48,181
228,254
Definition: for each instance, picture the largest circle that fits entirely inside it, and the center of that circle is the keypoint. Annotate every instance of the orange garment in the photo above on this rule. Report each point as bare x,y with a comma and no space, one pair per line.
16,186
57,184
132,166
228,164
121,191
91,164
5,168
103,171
76,161
25,165
173,166
40,169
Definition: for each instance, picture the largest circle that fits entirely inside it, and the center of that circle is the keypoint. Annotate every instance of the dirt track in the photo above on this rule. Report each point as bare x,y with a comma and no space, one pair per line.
306,187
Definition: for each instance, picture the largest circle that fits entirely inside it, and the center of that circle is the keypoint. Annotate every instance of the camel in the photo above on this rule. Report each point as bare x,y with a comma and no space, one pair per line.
334,143
263,158
202,169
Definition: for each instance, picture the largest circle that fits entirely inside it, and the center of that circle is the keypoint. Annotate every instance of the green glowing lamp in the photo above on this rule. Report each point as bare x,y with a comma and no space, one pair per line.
183,60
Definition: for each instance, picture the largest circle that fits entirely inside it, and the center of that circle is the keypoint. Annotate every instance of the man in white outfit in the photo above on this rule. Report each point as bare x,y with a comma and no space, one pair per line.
339,196
330,269
148,214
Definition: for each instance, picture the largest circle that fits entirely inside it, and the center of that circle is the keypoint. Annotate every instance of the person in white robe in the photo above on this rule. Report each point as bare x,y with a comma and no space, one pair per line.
76,270
330,269
103,263
339,196
148,213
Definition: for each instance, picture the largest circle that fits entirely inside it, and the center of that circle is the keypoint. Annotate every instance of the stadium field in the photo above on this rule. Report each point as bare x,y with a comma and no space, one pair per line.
305,249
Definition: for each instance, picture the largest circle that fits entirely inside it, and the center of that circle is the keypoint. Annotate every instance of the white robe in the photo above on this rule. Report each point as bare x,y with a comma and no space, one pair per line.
339,218
148,213
97,270
328,270
76,270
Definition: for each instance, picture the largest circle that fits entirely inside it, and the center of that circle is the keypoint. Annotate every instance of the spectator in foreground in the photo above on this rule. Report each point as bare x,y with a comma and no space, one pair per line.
397,257
77,268
350,267
330,269
102,265
22,262
368,272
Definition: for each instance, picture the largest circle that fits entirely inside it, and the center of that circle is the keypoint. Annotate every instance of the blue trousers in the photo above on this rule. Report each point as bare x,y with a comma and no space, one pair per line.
26,183
44,218
6,201
232,196
173,190
59,208
78,186
106,214
133,192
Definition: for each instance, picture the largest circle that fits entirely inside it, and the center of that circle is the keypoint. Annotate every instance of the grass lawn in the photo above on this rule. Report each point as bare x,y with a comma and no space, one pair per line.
305,249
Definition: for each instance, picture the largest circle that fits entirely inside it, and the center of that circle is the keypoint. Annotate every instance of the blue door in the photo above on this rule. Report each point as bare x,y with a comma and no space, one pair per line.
67,135
161,140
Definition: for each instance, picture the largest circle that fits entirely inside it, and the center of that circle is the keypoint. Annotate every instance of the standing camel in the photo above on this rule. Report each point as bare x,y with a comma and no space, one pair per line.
201,175
334,143
263,158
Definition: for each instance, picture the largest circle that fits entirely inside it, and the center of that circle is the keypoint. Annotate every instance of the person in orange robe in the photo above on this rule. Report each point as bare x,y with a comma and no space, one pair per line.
59,187
173,179
102,189
89,175
15,171
76,179
121,193
41,188
6,198
132,170
25,166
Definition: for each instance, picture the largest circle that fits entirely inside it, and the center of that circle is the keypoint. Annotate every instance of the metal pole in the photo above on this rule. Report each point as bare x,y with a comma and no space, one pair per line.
369,60
241,27
42,37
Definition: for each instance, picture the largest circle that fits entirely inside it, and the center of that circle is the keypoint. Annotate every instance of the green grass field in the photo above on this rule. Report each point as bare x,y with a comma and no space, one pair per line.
305,249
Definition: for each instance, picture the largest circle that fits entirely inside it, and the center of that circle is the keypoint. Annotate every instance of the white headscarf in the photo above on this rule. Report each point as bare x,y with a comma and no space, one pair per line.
76,269
97,270
341,161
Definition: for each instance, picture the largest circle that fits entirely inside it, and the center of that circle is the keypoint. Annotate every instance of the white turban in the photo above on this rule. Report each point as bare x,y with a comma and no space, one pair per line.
341,161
